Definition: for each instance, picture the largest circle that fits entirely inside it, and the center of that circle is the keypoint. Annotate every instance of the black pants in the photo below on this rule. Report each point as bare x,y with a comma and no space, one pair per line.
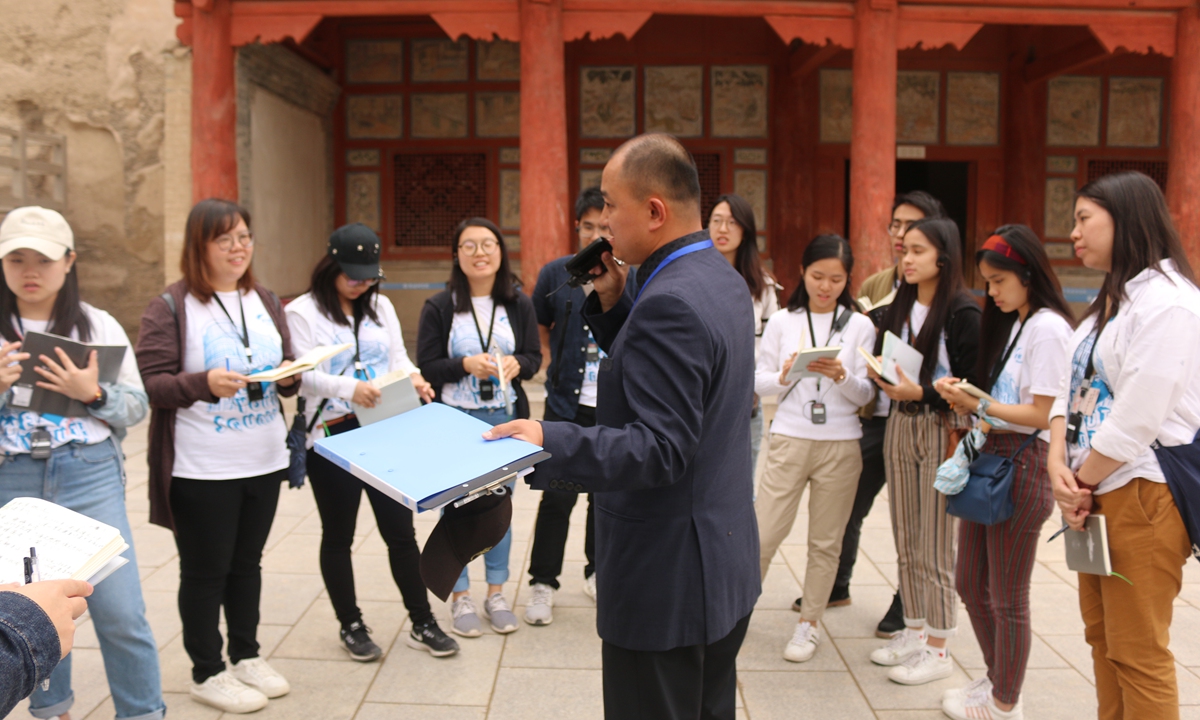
554,518
688,683
221,527
870,482
338,494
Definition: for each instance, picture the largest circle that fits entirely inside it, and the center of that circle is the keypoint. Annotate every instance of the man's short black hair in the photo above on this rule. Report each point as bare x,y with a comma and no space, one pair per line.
589,199
658,163
921,200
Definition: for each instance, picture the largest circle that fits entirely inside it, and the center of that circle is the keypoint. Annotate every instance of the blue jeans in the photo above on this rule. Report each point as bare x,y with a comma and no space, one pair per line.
495,561
90,479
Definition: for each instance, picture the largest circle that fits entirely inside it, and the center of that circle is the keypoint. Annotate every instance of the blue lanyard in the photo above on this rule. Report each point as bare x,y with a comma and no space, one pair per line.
672,258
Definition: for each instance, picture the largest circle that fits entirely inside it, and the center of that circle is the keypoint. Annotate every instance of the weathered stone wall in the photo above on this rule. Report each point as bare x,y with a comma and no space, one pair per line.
94,72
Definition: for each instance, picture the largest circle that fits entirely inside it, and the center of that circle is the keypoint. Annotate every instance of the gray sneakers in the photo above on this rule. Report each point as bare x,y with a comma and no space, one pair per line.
466,621
539,611
497,610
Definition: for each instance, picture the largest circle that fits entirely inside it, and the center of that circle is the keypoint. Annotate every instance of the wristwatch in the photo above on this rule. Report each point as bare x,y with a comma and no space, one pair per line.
101,399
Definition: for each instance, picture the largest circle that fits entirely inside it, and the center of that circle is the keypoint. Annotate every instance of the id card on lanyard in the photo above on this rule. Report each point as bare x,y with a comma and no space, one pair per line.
1085,398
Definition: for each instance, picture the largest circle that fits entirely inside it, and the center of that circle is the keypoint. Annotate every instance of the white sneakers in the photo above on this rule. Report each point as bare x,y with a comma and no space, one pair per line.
803,643
923,666
540,611
976,702
256,673
899,648
589,587
225,692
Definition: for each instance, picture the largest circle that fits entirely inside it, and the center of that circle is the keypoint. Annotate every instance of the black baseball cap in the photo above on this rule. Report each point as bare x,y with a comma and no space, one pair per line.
461,535
356,248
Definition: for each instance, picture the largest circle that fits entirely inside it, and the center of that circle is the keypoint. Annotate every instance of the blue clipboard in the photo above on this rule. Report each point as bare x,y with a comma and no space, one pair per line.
428,457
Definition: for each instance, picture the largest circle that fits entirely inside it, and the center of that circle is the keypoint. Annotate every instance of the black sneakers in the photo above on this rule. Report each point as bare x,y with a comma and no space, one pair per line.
428,636
893,622
357,641
838,597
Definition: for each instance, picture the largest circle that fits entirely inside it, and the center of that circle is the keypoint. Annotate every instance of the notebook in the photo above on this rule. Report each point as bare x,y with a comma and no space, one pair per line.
397,396
1087,551
28,396
69,545
973,391
899,354
805,357
302,364
428,457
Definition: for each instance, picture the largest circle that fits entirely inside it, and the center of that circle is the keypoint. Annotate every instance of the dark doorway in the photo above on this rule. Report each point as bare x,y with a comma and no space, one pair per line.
946,181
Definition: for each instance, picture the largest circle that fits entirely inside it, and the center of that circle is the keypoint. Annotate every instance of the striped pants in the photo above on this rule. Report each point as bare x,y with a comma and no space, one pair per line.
995,564
913,448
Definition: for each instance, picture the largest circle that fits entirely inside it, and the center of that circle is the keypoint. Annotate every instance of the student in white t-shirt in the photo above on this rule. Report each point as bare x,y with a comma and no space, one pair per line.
217,446
815,433
734,232
1022,358
73,461
1134,357
482,315
343,305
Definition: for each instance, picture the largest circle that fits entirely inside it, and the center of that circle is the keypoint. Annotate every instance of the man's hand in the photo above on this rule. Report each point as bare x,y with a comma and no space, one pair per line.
610,286
528,430
62,600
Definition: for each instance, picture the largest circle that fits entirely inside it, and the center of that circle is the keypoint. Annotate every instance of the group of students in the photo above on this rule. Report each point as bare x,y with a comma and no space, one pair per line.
842,433
1125,375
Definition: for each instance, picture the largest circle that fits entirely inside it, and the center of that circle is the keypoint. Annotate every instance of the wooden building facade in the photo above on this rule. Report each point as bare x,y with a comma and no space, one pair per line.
817,112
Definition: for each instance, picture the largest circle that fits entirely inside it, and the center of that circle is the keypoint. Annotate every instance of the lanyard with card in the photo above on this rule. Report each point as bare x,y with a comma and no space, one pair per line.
1087,395
254,390
487,388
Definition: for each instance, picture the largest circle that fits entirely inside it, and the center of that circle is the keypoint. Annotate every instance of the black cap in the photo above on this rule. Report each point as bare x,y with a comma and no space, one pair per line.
356,248
461,535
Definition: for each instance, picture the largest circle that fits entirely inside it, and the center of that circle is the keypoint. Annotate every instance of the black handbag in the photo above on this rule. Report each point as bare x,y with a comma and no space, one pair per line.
987,497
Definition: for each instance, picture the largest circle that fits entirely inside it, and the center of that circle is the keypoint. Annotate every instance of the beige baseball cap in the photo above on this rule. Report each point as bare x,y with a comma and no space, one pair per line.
36,228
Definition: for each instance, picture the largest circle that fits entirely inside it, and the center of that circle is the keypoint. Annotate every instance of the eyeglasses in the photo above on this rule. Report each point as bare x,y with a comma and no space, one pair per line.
728,222
470,247
898,227
359,283
225,242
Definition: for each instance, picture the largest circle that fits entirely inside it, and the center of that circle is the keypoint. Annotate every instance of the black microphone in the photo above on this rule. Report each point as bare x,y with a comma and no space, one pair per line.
585,261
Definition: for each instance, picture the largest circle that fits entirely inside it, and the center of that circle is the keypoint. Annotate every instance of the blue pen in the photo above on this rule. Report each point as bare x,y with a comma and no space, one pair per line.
226,364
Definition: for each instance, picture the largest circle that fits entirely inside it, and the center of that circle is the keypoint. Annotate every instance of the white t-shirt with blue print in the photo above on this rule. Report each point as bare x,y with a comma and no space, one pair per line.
1077,451
1036,365
233,437
464,342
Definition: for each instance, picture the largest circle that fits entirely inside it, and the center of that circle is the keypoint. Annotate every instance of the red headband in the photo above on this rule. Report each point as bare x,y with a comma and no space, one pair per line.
998,244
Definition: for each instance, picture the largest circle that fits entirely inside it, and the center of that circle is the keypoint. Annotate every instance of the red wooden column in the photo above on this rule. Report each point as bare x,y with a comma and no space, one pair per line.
545,205
1024,137
1183,178
873,140
214,115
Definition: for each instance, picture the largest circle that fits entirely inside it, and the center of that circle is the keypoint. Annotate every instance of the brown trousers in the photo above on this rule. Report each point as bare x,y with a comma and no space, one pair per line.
1128,626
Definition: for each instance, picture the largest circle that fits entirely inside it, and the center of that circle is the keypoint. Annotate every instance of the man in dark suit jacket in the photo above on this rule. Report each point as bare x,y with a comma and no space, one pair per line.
669,459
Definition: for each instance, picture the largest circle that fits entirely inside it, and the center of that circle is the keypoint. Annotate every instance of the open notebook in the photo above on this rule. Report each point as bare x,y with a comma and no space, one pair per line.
69,545
302,364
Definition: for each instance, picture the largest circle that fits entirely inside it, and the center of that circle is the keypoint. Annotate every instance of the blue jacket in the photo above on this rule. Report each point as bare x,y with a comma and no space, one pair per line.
29,649
669,459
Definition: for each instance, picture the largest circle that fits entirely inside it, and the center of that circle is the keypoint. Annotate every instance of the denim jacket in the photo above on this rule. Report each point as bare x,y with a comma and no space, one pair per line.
29,648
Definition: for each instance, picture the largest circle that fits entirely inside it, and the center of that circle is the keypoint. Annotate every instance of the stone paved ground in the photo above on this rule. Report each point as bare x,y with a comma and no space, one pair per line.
554,671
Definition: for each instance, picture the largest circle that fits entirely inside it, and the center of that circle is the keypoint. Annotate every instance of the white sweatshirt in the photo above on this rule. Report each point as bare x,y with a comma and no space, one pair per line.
785,332
381,346
1147,363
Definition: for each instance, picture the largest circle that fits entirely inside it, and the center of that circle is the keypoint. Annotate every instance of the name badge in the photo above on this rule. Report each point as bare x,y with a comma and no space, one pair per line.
593,353
22,395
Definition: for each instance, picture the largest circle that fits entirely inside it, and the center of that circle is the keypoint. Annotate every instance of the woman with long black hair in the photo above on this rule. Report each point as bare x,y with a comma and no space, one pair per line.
76,462
815,434
936,314
1134,380
734,232
1023,356
478,339
344,306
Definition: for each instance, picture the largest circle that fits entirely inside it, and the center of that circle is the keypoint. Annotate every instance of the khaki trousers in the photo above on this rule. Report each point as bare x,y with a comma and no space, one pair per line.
830,468
1128,626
